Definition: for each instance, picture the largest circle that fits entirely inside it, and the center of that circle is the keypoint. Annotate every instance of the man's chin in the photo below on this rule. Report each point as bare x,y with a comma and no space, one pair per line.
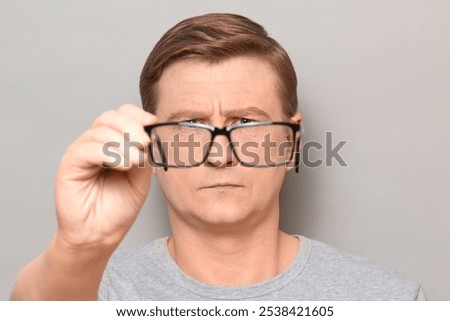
222,217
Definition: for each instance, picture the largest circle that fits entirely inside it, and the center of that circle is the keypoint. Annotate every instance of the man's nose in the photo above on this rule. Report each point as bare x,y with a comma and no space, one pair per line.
221,153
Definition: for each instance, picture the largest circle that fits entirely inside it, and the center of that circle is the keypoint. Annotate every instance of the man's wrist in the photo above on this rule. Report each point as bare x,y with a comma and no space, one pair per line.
82,253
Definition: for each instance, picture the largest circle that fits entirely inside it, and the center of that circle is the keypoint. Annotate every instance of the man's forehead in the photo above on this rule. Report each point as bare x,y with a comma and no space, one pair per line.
235,86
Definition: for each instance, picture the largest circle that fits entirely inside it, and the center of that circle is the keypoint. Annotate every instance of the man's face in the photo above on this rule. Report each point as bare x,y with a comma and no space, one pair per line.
220,192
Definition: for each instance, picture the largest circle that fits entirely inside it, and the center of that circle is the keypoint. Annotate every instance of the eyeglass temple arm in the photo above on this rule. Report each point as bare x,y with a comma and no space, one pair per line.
297,149
163,156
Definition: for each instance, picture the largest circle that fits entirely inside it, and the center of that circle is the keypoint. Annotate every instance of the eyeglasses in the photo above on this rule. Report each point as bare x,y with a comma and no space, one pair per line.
254,144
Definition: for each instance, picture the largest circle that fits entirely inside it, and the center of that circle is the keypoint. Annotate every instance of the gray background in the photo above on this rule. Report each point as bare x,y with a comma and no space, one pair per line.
375,73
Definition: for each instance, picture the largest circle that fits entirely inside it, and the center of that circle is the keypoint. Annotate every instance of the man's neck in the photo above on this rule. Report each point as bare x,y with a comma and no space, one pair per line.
233,259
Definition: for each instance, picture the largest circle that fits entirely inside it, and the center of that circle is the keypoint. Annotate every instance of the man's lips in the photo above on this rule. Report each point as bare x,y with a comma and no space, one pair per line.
221,185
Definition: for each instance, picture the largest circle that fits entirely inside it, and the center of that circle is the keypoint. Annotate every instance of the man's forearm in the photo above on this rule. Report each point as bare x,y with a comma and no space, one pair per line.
62,273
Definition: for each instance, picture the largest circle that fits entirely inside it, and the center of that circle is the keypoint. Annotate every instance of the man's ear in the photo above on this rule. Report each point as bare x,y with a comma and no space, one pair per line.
297,118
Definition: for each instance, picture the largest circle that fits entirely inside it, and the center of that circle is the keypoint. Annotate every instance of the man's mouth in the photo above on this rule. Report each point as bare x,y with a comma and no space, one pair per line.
221,185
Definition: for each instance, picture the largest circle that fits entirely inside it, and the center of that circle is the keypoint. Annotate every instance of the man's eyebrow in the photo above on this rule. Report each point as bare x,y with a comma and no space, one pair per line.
187,115
237,112
246,112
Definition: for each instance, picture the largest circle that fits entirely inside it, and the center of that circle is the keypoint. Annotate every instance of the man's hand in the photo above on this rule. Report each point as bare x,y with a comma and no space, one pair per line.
95,206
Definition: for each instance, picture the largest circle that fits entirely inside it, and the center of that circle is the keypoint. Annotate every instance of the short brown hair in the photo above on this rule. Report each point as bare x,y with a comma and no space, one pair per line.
214,38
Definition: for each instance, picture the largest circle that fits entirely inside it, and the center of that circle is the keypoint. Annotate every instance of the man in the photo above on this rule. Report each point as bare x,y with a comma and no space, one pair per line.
223,129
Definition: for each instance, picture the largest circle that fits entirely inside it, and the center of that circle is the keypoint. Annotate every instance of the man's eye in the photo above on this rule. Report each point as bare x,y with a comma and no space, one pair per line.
245,121
191,121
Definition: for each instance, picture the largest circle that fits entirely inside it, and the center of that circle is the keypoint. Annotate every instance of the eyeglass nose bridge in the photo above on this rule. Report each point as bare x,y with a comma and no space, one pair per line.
221,131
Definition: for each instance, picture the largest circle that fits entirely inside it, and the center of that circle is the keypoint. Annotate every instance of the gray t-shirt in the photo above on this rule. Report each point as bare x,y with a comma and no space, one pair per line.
319,272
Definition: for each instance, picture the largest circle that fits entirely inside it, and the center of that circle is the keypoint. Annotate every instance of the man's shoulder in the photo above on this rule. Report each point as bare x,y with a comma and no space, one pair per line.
134,258
130,272
328,255
366,278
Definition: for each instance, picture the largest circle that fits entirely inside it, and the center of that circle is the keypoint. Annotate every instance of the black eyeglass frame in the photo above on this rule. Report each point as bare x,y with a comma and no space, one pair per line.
226,131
